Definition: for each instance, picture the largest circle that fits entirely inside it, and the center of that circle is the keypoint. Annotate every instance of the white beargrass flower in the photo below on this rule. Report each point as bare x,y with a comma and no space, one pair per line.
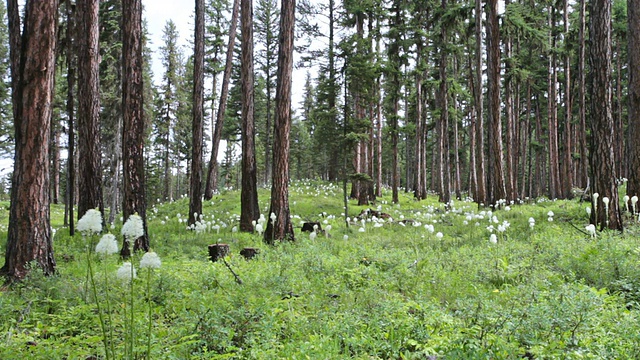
591,229
259,229
345,237
588,210
150,260
107,245
439,235
133,228
493,239
273,217
361,229
313,235
90,223
625,199
126,272
605,200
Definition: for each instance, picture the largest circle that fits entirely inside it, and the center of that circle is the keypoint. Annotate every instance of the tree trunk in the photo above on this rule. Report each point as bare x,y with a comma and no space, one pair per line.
55,163
633,16
117,165
197,125
420,190
212,173
554,168
71,80
495,183
601,154
618,137
481,189
282,229
567,173
444,172
89,150
510,152
29,232
473,175
133,122
583,174
249,209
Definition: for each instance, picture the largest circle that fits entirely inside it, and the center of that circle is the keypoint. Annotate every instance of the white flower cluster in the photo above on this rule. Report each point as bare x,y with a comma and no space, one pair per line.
150,260
126,272
107,245
90,223
133,228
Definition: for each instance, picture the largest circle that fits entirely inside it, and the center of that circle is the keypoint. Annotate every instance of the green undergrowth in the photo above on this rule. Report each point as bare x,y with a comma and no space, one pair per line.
386,291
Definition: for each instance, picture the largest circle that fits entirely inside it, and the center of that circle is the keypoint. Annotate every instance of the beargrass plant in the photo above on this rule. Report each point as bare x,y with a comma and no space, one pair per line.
547,290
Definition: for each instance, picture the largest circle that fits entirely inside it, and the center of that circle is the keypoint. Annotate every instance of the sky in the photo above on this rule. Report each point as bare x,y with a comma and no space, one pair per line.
158,12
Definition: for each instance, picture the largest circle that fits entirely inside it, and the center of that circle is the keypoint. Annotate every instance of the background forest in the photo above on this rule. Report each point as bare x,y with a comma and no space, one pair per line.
398,87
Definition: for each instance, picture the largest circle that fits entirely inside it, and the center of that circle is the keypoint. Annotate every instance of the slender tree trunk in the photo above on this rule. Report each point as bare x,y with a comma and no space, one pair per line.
197,126
633,16
420,191
473,175
212,173
116,169
71,80
495,179
32,70
481,193
601,154
282,229
379,183
133,122
554,168
249,209
89,150
55,163
582,105
618,138
456,140
567,173
443,125
510,156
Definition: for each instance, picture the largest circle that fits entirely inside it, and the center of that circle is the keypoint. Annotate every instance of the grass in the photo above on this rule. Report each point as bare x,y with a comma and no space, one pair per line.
390,292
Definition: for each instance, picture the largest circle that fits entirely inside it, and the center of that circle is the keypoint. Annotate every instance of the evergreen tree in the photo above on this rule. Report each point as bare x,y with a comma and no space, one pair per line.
266,25
29,233
6,125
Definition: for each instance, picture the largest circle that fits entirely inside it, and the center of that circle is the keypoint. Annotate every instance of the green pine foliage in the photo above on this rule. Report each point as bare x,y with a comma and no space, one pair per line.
392,290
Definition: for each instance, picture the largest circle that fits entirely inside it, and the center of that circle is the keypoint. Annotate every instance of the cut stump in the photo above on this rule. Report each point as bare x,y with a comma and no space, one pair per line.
308,227
217,251
249,252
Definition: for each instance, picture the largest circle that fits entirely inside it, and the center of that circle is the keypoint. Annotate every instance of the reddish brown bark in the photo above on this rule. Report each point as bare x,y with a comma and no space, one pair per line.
282,229
249,209
601,153
633,9
133,121
495,178
29,233
197,127
212,172
89,150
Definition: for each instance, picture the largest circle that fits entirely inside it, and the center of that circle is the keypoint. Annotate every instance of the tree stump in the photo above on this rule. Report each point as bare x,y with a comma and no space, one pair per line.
249,252
217,251
308,227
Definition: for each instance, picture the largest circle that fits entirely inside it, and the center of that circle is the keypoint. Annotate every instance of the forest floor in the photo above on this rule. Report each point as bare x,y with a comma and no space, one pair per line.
430,282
